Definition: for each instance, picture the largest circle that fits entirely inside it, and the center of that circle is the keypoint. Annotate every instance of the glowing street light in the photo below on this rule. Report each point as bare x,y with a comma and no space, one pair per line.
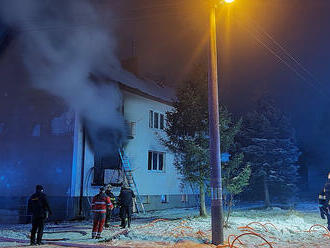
215,159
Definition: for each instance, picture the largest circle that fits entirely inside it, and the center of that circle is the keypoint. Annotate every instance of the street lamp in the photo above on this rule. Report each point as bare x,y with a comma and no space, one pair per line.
215,160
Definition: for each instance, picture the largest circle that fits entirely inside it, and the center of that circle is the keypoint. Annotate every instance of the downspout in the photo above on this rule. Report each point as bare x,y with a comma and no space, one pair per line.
82,173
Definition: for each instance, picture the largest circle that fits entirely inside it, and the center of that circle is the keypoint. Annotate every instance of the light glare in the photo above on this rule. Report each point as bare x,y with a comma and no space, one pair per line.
229,1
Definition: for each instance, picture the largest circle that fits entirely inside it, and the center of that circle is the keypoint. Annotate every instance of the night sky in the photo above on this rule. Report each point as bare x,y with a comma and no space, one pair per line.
170,36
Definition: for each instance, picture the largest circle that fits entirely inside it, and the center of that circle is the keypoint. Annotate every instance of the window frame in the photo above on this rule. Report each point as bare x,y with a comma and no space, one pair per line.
100,165
184,198
164,199
156,120
154,156
161,121
151,118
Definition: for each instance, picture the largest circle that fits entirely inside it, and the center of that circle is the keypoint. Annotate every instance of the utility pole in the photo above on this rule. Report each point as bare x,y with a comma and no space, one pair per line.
215,159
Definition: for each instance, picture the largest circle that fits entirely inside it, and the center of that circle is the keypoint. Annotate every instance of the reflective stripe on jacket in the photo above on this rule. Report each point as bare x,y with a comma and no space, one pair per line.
101,203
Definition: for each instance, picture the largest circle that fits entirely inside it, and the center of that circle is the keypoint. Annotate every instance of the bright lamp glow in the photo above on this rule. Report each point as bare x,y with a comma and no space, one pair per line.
229,1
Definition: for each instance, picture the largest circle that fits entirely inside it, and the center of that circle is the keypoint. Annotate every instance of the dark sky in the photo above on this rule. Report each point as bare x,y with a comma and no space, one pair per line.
170,36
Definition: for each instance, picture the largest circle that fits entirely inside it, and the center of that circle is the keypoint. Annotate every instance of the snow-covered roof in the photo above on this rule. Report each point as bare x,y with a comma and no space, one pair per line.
145,87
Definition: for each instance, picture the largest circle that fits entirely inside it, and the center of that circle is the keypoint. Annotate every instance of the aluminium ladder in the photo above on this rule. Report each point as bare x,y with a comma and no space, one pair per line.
130,180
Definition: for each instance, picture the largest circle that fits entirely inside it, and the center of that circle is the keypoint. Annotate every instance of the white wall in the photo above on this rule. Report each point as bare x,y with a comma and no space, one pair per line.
136,109
149,182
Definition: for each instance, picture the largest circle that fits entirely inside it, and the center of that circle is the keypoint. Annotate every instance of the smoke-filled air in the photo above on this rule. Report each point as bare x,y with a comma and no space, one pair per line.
65,47
165,123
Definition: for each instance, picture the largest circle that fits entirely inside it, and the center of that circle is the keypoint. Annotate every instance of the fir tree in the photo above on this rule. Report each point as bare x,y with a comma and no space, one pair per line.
268,142
187,135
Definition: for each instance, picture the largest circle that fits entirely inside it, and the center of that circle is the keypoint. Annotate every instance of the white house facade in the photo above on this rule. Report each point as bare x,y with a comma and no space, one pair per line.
157,180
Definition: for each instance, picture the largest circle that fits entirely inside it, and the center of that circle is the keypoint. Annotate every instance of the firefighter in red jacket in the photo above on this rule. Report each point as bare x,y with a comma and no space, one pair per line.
101,202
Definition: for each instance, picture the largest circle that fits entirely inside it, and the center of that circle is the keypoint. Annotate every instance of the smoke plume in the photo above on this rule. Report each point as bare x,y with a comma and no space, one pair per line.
64,41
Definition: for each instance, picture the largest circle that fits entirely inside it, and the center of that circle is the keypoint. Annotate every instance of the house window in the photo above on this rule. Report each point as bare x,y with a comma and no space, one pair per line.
164,199
156,120
151,119
161,121
149,160
156,161
102,167
146,199
160,161
131,129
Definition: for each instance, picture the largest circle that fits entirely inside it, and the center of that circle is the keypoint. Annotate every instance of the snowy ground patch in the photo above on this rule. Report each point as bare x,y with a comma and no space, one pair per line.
182,228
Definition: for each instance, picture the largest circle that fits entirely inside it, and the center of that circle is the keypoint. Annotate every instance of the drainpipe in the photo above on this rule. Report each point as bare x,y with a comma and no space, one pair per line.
82,173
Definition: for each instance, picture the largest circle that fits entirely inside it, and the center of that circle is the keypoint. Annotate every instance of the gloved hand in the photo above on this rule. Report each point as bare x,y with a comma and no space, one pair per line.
322,215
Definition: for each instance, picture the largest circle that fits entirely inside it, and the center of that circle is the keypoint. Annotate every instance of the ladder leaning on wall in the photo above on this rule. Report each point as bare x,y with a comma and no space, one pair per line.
131,182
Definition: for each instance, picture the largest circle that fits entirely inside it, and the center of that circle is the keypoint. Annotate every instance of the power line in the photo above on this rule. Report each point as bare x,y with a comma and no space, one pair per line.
286,52
260,39
272,51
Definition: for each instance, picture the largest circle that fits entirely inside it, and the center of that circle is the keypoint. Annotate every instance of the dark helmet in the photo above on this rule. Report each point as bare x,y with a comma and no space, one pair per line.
102,189
39,188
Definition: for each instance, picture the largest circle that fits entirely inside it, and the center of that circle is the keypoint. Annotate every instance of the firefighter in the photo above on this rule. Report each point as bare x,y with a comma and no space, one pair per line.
126,205
113,201
324,201
101,202
38,206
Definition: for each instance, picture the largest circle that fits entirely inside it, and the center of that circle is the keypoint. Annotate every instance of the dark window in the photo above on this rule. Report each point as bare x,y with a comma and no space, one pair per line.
184,198
101,163
161,161
154,160
98,178
164,198
156,117
156,120
151,119
161,124
149,160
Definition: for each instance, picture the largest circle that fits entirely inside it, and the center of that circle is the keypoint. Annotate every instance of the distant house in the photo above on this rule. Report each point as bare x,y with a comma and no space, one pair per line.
43,142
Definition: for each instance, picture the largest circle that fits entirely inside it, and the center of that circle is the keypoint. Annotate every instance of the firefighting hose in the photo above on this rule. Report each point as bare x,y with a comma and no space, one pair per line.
88,176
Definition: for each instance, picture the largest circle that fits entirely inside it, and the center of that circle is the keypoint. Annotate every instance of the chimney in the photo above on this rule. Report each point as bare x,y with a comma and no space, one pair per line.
131,64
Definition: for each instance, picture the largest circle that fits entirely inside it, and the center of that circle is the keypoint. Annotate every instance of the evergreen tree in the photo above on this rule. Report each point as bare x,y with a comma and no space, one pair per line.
268,142
187,135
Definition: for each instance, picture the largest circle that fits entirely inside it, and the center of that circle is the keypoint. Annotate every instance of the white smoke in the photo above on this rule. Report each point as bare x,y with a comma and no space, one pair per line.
64,41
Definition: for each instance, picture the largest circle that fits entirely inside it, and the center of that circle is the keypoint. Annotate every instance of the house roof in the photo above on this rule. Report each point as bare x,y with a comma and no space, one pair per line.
146,88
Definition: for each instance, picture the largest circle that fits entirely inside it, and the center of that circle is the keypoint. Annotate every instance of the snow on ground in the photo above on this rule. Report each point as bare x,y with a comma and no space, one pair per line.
182,228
